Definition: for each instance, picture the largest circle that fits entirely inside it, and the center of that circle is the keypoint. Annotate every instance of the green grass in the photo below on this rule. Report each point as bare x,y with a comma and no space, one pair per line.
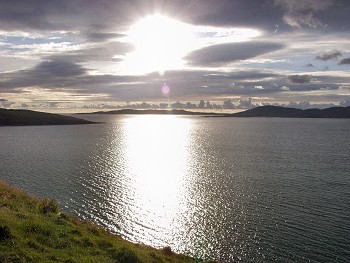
34,230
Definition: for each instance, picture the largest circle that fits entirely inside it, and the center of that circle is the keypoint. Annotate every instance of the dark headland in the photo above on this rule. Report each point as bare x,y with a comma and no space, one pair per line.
282,112
28,117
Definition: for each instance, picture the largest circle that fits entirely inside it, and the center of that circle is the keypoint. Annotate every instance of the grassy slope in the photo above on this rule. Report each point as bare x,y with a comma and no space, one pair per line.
34,230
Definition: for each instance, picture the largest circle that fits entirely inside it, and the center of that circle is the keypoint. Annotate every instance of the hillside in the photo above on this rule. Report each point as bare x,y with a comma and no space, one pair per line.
34,230
282,112
27,117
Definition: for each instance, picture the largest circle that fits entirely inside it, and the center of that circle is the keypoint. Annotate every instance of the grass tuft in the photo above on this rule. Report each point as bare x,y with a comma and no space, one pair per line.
5,233
46,206
167,251
125,255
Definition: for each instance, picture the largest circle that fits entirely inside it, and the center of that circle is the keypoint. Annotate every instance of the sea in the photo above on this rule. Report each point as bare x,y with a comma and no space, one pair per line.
215,188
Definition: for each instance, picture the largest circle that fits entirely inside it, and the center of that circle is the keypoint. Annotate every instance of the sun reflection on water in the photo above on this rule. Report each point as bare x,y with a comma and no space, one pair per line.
156,151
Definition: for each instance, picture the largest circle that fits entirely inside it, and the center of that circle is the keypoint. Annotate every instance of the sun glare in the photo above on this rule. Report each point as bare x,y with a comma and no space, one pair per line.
157,163
160,44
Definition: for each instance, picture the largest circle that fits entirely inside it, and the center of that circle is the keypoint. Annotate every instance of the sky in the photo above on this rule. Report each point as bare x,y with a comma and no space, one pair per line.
73,55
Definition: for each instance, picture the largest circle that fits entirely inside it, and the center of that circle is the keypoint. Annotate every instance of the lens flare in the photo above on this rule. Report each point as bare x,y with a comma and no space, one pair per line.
165,89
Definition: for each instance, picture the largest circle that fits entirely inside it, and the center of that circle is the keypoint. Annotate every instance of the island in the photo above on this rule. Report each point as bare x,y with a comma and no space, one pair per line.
261,111
28,117
282,112
153,112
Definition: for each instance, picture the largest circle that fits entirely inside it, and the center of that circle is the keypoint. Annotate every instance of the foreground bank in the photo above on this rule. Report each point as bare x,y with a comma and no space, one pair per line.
34,230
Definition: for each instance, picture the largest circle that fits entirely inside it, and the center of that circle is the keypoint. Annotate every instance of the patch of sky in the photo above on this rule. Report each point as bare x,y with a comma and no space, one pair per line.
20,40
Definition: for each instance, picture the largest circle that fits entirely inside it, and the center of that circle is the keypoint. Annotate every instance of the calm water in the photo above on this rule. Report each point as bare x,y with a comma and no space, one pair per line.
237,190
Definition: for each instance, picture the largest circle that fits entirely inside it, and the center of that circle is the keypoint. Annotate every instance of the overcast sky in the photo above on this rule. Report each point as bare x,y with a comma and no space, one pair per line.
88,53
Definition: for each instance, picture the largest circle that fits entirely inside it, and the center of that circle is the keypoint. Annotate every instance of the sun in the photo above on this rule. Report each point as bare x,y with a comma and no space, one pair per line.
160,44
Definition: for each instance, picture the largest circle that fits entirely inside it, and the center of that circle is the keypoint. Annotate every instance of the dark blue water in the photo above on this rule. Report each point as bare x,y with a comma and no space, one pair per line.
236,190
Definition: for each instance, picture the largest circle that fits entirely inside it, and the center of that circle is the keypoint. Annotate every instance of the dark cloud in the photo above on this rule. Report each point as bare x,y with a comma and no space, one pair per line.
304,5
336,17
344,61
245,103
299,79
236,13
105,52
102,36
70,15
309,65
218,55
23,15
228,104
3,100
312,87
329,55
49,74
59,69
302,12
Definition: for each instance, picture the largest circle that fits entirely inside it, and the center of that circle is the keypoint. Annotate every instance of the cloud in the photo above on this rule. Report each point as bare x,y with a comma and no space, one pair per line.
299,79
344,61
5,103
227,13
345,102
47,74
285,88
222,54
96,52
302,5
309,65
67,15
102,36
58,69
245,103
298,20
73,15
329,55
299,105
302,12
228,104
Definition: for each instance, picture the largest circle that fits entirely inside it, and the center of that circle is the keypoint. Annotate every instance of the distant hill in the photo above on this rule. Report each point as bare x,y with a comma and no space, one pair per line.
27,117
164,112
282,112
